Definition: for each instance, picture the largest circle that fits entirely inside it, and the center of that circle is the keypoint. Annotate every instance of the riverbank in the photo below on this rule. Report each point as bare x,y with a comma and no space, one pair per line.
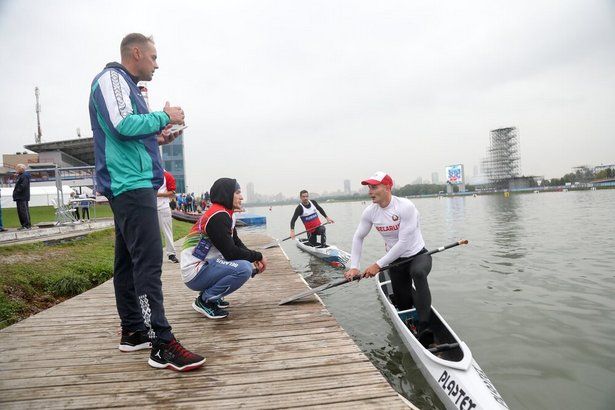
36,276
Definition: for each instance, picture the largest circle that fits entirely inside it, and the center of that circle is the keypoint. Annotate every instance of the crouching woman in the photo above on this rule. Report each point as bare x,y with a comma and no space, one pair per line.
214,261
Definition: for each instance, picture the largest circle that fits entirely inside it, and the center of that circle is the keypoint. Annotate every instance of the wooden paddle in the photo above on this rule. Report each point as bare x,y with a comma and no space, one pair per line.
277,241
342,281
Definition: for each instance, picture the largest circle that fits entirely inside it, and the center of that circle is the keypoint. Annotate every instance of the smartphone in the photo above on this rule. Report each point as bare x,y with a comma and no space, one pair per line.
176,128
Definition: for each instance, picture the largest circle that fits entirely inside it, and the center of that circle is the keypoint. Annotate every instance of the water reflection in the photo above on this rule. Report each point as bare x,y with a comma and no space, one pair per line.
318,273
507,233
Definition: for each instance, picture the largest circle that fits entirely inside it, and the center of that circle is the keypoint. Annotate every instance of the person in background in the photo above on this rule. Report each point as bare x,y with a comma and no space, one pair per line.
74,205
166,191
21,195
183,202
84,204
189,202
307,211
214,261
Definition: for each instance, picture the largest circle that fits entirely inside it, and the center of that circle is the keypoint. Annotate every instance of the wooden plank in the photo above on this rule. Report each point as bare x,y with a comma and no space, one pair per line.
88,368
262,356
109,384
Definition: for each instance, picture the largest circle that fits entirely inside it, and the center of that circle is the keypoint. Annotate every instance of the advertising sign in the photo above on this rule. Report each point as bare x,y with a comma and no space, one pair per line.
454,174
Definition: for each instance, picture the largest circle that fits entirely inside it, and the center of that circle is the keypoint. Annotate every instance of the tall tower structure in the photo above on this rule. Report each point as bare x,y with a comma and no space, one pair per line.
346,187
502,163
39,133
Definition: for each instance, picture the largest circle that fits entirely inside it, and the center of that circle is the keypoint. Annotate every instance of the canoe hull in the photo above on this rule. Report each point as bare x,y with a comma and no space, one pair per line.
454,375
330,254
185,217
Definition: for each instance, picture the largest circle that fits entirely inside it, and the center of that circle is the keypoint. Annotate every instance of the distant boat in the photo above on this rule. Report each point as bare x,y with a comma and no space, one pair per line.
250,219
330,253
185,216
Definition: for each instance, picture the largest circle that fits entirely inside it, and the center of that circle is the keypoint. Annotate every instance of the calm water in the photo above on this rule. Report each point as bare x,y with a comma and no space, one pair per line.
532,294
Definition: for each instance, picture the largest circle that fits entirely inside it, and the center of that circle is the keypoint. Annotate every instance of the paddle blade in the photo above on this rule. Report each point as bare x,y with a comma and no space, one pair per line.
270,245
309,292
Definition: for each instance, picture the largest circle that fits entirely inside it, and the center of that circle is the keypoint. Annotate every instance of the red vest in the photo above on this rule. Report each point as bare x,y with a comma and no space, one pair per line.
310,218
201,224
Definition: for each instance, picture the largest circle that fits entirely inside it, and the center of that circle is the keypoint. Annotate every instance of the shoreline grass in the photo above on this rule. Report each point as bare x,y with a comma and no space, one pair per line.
40,214
36,276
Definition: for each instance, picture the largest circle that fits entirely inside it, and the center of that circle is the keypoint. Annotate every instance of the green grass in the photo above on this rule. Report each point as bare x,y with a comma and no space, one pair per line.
180,229
36,276
48,214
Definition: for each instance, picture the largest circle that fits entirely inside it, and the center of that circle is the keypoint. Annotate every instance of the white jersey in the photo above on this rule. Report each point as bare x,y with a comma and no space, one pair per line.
399,226
163,201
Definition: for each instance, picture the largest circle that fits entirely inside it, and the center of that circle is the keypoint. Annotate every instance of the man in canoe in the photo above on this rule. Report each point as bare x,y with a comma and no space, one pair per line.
307,211
214,261
397,220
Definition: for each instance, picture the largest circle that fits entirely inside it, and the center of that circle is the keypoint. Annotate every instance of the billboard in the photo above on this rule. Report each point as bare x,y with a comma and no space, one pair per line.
454,174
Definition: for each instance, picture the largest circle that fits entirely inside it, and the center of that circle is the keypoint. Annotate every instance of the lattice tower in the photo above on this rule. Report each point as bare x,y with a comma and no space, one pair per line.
503,157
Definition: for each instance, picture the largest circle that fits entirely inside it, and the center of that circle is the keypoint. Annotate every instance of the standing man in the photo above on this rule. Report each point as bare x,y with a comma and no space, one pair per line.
21,195
165,192
397,220
306,210
128,173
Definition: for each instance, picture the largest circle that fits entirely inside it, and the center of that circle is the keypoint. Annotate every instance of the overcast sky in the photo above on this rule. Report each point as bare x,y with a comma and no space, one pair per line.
304,94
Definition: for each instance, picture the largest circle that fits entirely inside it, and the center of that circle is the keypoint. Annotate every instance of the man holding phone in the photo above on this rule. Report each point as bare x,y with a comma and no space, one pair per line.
129,173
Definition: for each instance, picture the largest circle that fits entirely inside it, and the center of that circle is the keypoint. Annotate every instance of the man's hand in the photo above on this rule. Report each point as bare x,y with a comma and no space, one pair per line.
292,234
176,114
166,136
330,220
371,270
351,273
261,265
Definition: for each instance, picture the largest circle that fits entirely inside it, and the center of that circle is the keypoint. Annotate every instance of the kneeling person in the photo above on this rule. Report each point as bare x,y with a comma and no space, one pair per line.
214,261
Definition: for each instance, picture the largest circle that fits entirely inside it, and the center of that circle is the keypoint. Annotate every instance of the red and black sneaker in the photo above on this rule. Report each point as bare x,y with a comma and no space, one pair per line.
174,356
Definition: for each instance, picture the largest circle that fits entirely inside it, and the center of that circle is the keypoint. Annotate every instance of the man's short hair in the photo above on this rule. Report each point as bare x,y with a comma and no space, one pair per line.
303,191
131,40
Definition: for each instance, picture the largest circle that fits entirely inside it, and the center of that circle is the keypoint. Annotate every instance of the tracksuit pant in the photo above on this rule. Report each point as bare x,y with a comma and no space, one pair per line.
138,264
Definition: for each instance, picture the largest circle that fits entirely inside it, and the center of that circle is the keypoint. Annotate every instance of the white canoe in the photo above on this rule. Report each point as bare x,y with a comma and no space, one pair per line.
453,374
330,254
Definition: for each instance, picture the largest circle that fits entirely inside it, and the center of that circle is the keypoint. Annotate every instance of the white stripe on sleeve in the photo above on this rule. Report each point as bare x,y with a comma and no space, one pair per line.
116,92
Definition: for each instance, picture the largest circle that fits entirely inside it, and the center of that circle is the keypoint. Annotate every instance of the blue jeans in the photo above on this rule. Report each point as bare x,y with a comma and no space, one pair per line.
220,277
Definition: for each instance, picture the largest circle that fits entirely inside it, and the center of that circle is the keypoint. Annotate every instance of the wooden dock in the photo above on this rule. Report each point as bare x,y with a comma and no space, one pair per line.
262,356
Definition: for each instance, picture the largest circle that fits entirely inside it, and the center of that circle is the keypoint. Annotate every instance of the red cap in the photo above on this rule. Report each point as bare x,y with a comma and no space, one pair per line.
378,178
